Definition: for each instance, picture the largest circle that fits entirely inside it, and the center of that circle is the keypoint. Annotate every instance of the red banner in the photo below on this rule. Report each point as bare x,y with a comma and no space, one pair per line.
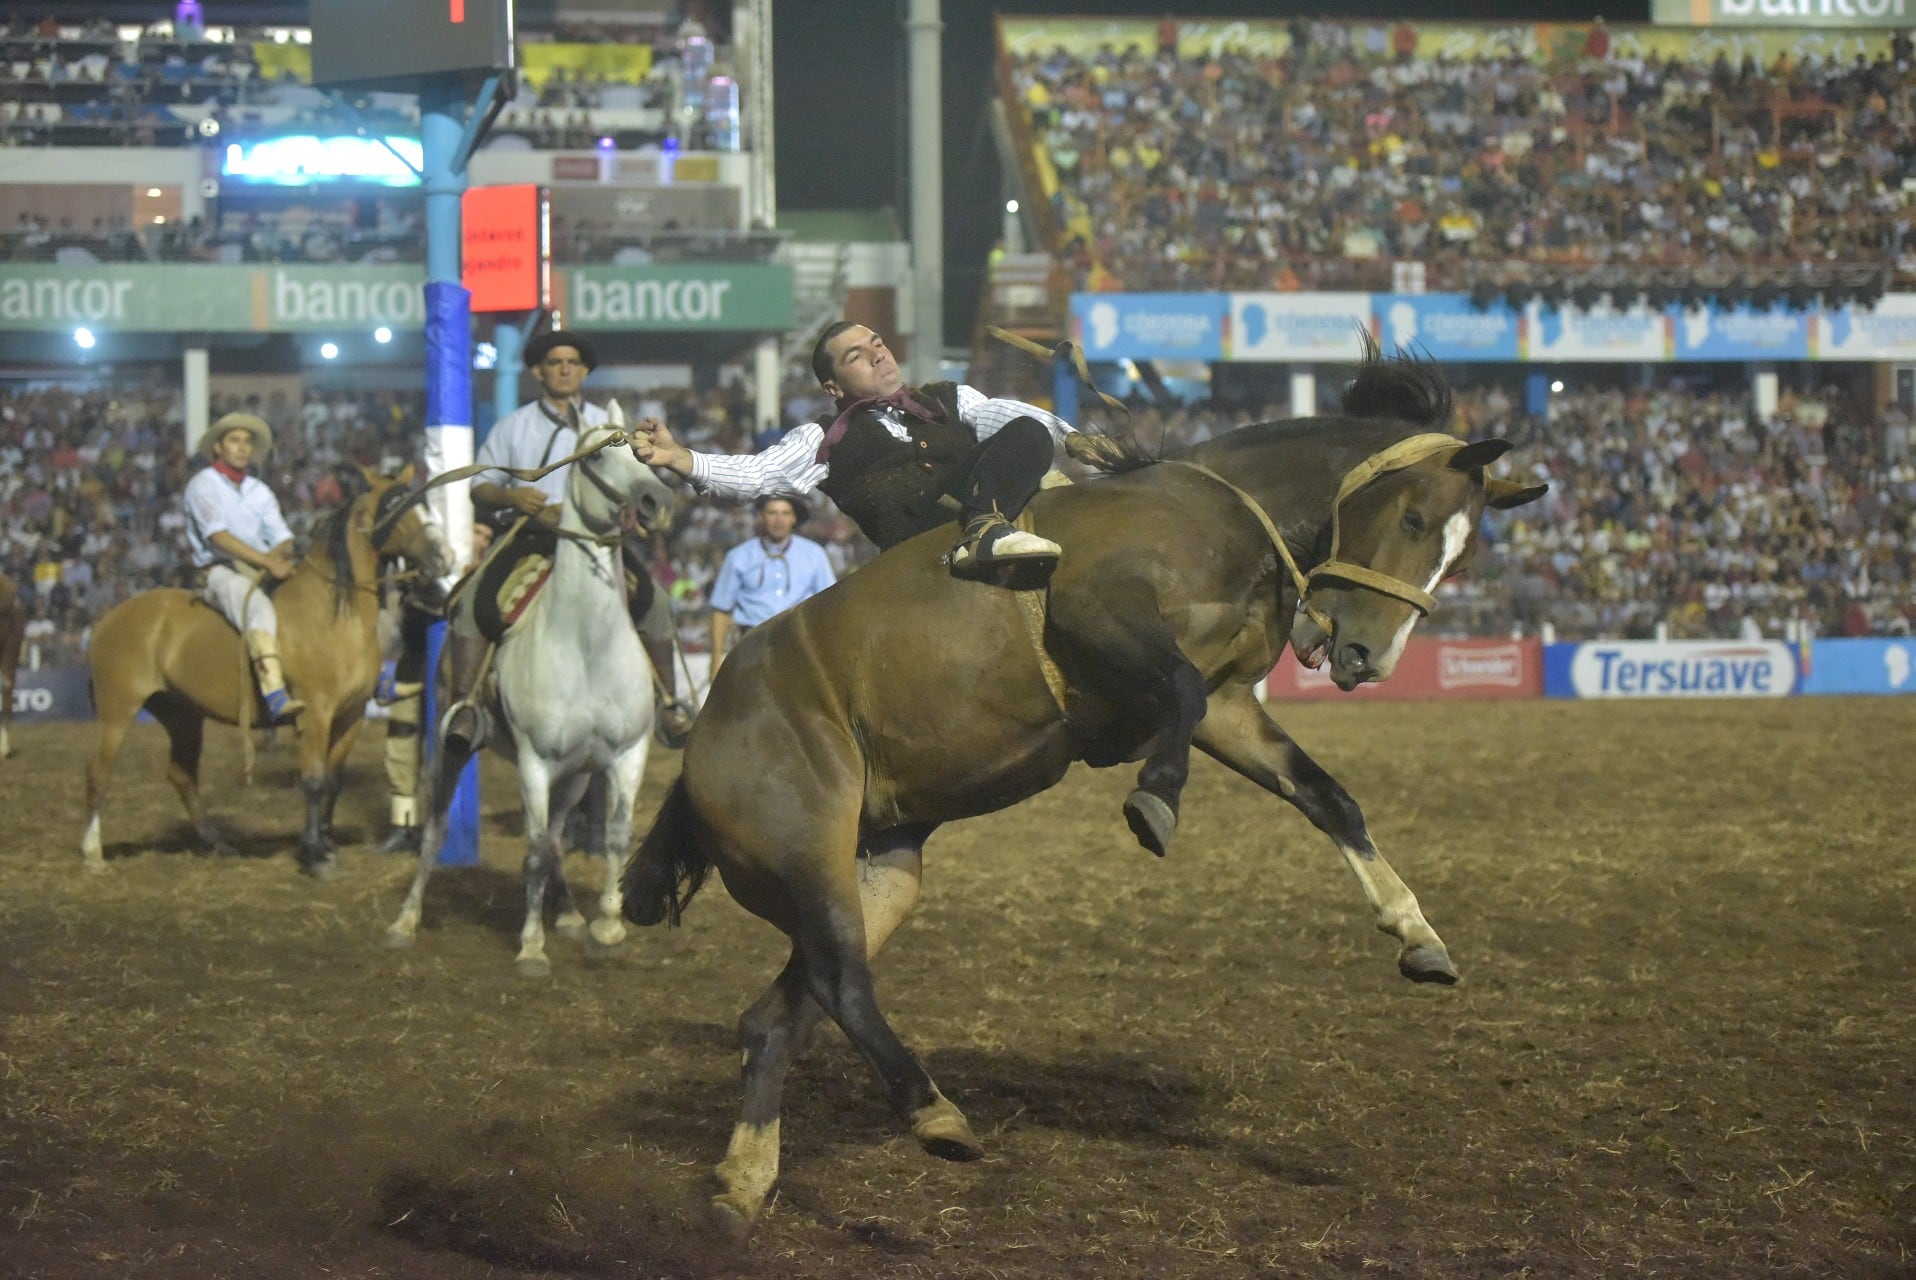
1429,669
504,254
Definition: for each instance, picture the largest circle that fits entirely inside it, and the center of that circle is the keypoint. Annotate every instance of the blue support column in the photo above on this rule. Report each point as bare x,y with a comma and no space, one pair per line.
449,442
508,340
1064,391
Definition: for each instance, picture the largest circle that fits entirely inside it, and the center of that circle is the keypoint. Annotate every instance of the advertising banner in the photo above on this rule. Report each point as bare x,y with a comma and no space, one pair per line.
1430,669
1149,326
712,296
1712,333
1860,666
51,695
1784,13
1670,669
1447,327
1298,327
1567,333
1885,332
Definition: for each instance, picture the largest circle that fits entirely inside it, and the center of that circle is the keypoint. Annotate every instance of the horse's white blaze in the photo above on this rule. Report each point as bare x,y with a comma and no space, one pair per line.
1456,534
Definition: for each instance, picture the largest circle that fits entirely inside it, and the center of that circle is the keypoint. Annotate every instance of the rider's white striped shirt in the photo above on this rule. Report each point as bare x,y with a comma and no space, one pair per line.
791,465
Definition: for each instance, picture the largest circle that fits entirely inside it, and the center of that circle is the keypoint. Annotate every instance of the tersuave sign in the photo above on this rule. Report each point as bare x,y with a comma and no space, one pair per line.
503,247
1783,13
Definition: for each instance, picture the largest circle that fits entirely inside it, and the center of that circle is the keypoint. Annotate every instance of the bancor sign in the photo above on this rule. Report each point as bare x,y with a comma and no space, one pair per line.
706,295
1783,13
1674,669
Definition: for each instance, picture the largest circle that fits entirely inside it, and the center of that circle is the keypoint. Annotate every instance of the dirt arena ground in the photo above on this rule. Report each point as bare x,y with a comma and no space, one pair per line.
1684,1046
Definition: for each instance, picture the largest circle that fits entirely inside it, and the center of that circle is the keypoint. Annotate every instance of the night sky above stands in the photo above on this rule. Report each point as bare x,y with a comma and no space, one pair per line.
840,79
839,68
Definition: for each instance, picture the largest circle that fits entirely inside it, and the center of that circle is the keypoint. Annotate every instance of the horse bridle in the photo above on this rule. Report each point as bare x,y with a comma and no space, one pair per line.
1405,453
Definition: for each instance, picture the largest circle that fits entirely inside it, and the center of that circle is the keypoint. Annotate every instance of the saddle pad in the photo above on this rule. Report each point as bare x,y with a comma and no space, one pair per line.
507,584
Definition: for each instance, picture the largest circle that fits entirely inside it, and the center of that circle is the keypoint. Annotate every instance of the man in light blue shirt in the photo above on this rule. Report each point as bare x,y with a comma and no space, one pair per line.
766,574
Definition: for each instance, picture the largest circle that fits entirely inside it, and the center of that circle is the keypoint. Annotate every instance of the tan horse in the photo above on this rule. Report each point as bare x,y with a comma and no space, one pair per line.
168,652
13,630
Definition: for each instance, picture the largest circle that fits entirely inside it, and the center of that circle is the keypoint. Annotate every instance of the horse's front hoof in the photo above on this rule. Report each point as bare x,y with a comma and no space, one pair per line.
94,866
943,1131
398,939
607,931
533,967
322,868
1152,820
1427,964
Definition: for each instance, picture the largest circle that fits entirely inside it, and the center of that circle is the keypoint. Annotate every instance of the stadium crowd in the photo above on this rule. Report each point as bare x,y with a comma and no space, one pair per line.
1317,168
1670,508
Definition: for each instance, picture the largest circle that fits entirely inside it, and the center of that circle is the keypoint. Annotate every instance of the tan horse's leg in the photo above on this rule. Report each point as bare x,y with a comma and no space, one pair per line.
778,1027
12,635
318,857
186,732
99,772
1237,732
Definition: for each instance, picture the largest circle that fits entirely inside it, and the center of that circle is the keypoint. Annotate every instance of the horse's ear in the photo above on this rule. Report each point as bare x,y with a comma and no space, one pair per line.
1478,454
1505,494
405,475
352,479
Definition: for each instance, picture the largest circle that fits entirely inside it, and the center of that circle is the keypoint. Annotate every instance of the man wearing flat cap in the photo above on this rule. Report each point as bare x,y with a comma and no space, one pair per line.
532,436
767,573
241,546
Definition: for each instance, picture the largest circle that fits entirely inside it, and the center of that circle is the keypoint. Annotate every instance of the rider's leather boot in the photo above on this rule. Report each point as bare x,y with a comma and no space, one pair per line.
281,706
990,542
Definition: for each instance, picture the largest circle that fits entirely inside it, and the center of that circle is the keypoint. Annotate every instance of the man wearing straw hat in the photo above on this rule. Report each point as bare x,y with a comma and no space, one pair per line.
241,546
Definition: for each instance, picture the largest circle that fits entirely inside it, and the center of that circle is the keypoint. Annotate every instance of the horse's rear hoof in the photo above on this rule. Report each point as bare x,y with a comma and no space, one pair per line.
572,927
943,1131
728,1220
534,967
320,869
607,931
399,939
1427,964
1152,821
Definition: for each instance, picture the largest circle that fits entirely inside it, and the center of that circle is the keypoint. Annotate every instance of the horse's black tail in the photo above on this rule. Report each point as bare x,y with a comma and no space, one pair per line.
670,866
1407,387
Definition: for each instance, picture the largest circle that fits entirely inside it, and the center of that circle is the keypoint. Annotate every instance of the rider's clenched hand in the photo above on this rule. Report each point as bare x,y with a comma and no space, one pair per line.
526,501
652,444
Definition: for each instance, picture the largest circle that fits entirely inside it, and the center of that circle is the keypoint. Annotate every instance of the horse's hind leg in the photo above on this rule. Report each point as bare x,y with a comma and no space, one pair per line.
114,723
1239,733
778,1027
1137,659
622,790
186,732
566,797
447,765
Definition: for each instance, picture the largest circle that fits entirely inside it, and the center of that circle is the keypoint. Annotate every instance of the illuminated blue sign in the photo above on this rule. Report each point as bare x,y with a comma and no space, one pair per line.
302,159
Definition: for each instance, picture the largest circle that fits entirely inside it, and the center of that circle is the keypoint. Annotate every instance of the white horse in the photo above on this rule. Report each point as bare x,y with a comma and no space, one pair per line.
573,701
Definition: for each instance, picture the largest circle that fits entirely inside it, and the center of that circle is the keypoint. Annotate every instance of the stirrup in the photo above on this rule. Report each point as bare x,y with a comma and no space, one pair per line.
470,742
675,722
281,707
990,541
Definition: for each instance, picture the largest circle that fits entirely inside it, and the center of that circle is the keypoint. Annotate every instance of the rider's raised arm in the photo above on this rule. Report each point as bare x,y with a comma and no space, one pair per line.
984,414
790,466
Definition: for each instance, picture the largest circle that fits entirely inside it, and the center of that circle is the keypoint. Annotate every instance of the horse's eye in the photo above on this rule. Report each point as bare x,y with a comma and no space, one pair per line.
1414,523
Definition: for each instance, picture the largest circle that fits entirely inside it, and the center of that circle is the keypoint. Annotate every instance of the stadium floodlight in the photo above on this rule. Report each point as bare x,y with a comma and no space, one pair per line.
1011,206
83,338
1557,386
382,335
329,351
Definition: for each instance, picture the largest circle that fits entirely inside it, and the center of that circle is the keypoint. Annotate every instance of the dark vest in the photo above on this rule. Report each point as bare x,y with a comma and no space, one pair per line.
891,486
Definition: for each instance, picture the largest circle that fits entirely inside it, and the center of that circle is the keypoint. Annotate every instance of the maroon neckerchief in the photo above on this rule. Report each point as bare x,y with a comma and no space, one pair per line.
902,400
231,473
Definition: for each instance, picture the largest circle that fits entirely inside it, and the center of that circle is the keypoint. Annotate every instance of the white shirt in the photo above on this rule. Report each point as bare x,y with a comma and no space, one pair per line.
791,465
528,439
248,511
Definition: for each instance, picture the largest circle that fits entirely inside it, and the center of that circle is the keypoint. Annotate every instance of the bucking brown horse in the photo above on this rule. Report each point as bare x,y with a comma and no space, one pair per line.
169,652
841,734
13,633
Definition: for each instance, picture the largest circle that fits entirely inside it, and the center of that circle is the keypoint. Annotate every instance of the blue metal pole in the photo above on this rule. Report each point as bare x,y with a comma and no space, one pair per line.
449,442
508,340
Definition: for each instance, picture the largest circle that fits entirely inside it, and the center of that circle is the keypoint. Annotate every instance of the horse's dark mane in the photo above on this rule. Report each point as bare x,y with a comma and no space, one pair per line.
1404,388
333,532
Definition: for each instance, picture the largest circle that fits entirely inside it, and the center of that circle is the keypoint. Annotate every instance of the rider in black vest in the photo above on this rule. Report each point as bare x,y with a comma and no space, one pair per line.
892,453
